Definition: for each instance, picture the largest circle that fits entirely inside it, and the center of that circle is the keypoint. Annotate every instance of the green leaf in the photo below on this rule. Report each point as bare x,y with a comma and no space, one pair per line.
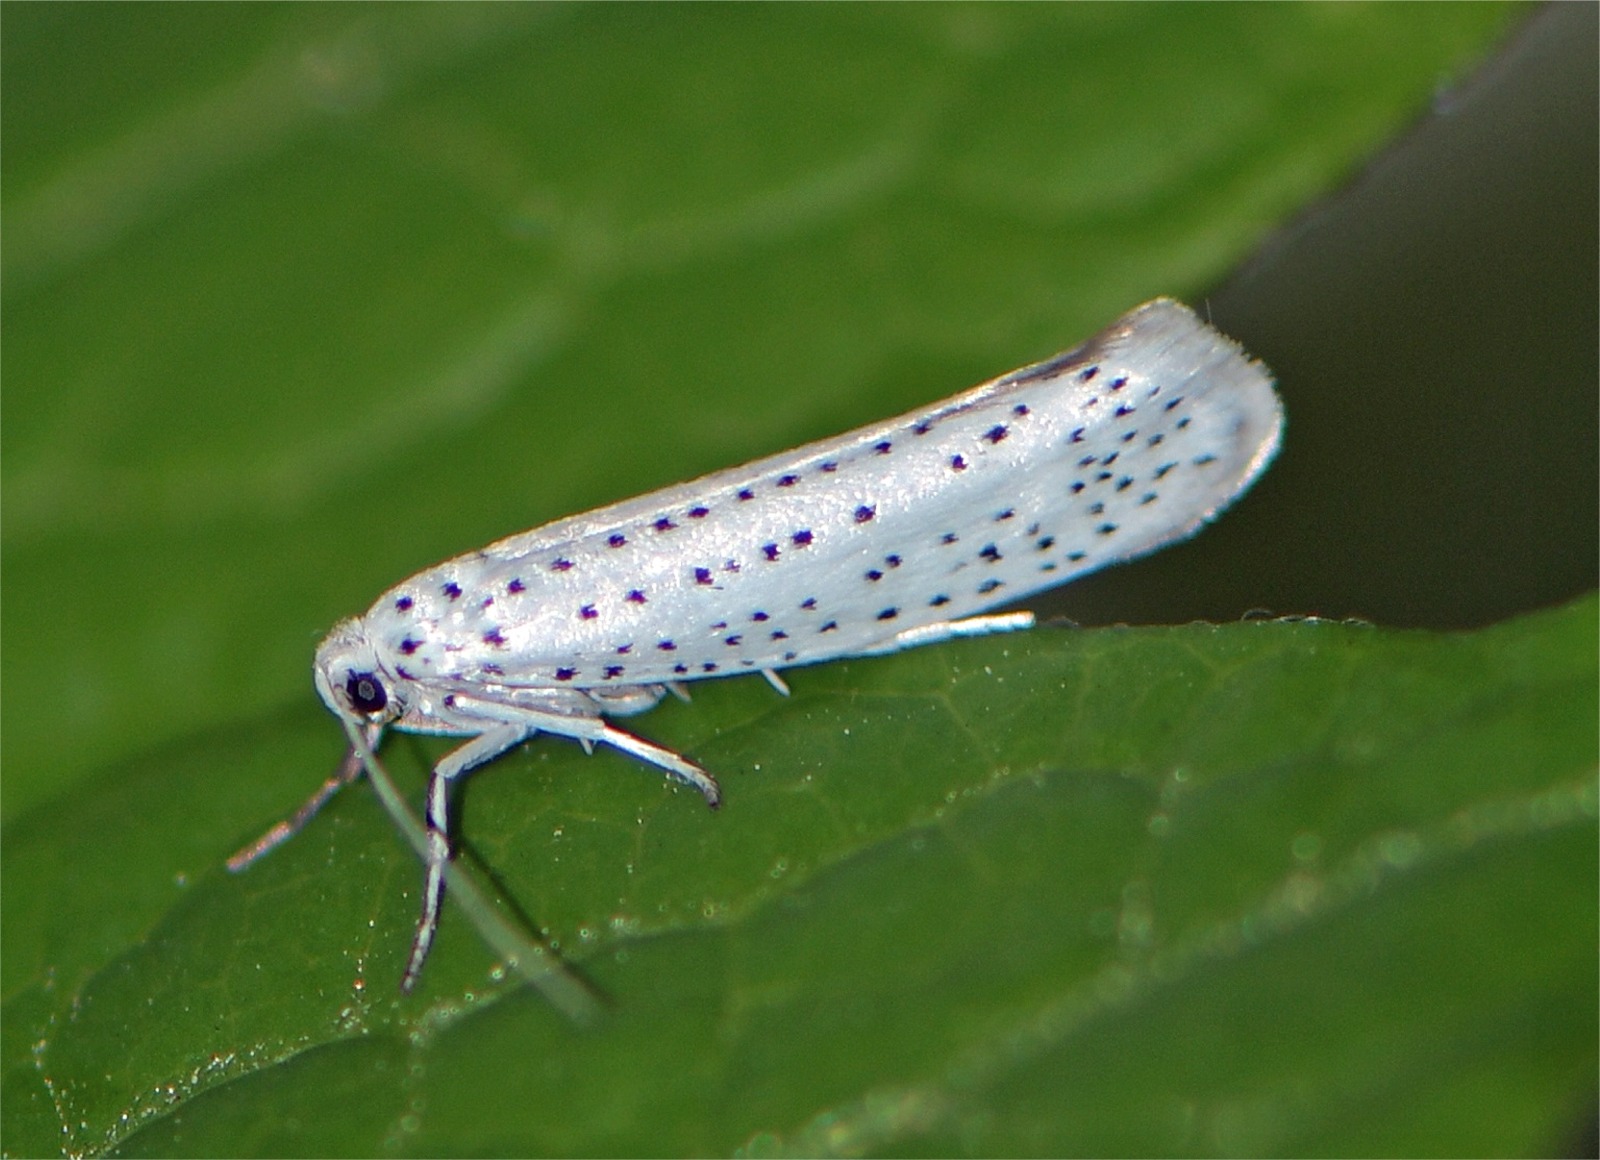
299,299
1269,888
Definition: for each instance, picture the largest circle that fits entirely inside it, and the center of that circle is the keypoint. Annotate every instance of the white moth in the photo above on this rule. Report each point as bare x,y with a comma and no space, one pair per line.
899,534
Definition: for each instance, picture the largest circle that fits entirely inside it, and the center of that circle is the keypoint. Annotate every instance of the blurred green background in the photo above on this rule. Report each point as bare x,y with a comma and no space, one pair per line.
299,299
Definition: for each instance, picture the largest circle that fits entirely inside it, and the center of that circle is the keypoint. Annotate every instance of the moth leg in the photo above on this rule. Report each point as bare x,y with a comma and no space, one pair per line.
776,681
950,630
484,747
349,769
507,728
676,766
587,730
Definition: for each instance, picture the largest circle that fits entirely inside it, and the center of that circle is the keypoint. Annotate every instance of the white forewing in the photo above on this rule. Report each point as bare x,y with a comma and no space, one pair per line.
1128,442
895,535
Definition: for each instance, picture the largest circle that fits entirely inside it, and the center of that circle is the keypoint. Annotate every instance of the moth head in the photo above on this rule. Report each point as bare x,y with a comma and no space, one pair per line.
350,680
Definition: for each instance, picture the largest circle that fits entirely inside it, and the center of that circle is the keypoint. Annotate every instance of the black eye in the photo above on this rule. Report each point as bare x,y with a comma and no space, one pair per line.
366,692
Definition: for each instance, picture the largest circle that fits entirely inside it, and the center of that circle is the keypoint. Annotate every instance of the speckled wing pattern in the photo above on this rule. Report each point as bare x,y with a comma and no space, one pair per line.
900,534
1103,453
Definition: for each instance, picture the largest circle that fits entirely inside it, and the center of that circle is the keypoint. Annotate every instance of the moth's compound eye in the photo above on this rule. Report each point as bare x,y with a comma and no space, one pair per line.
366,692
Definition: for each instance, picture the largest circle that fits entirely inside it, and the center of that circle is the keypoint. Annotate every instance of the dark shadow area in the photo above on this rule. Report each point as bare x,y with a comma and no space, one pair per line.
1434,333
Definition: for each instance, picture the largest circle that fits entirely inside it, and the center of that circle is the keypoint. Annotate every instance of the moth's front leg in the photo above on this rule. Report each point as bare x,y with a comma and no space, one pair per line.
485,747
505,727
